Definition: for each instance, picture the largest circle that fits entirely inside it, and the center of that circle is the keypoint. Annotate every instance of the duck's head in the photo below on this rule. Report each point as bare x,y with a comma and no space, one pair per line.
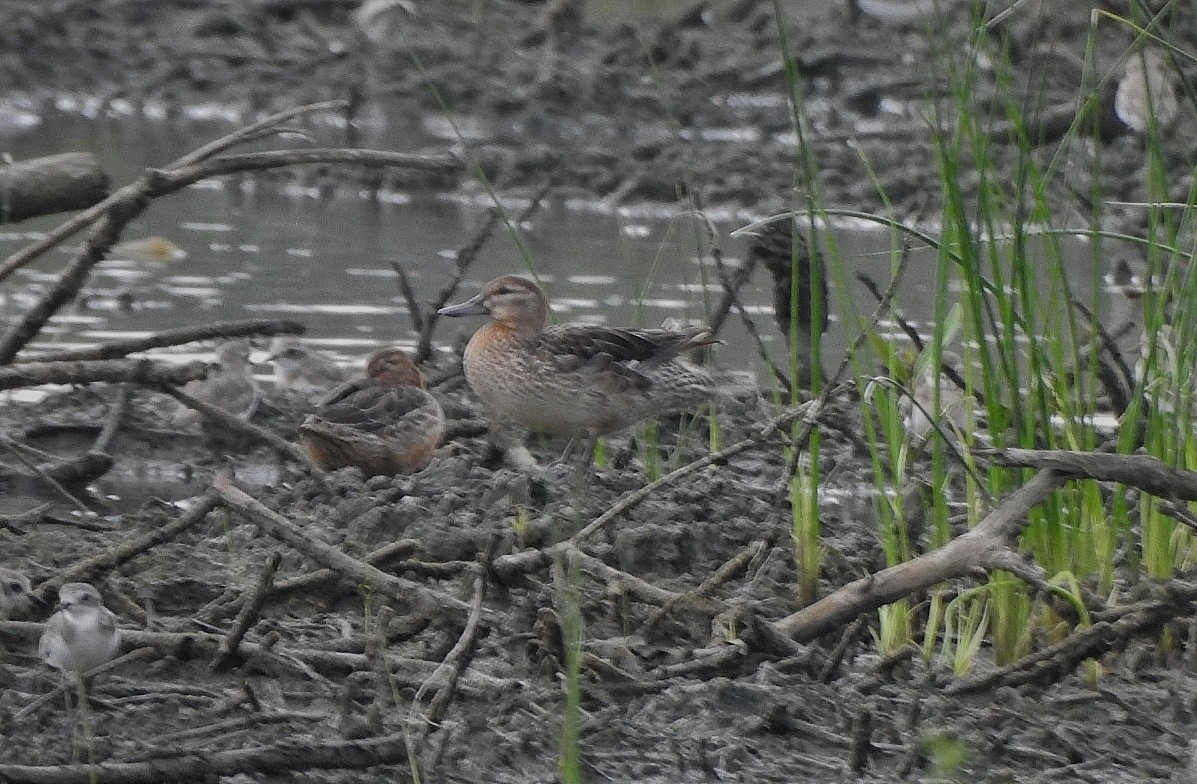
510,299
394,367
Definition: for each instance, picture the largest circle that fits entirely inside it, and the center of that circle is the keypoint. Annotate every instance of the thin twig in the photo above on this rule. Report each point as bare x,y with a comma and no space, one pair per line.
176,337
68,685
120,409
400,589
731,285
298,753
160,182
464,259
90,216
454,663
510,566
248,615
143,372
14,449
91,569
241,427
727,571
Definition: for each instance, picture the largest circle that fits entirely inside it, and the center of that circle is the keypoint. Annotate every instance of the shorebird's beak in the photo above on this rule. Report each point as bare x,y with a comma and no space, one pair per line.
471,307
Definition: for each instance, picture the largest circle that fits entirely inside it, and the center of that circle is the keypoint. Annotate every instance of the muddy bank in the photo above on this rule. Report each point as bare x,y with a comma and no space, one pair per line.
675,685
680,677
632,110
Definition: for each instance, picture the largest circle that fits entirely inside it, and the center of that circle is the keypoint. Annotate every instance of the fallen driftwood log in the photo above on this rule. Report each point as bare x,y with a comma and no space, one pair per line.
55,183
143,372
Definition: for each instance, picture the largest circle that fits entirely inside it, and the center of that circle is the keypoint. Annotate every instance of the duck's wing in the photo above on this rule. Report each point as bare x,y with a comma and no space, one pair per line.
378,408
581,344
347,390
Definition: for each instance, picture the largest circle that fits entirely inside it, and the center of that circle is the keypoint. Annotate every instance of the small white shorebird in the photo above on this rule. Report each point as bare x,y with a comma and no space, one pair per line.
230,384
1146,93
15,599
304,370
921,415
82,634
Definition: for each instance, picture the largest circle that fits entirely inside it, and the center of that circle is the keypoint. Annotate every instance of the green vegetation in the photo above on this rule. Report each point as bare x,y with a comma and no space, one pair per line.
1031,360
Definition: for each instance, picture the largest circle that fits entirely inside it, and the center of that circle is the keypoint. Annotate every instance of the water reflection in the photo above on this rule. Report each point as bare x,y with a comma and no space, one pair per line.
250,250
254,251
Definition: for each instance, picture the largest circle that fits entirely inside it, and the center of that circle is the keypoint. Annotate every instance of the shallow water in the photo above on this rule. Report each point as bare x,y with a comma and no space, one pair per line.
258,250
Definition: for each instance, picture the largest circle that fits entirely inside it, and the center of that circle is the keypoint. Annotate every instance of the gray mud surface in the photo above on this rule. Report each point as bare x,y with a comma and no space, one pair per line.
637,109
329,672
666,697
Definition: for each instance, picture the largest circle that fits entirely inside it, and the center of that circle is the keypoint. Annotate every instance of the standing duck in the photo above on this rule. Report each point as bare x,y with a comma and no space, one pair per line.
577,380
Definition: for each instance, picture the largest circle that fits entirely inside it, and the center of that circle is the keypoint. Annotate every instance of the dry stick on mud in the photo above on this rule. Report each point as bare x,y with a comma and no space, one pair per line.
236,725
509,567
91,569
143,372
302,662
376,653
1145,472
1050,665
15,449
230,602
454,663
16,523
112,423
400,589
138,654
300,754
988,546
176,337
702,593
239,426
250,609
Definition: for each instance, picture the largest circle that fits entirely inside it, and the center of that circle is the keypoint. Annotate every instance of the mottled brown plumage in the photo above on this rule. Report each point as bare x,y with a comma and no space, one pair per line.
782,248
385,423
577,380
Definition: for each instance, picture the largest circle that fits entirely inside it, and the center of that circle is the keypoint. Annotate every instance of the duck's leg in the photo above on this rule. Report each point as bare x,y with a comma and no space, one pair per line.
570,446
582,472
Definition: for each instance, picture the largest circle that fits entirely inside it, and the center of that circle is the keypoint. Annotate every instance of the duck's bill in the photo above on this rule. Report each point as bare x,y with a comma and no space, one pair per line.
471,307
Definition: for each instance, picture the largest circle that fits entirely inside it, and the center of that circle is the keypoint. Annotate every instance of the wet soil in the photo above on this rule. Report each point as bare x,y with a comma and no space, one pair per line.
631,112
676,695
636,109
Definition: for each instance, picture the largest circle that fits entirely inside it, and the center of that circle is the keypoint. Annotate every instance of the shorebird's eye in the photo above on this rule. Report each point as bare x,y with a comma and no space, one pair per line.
15,587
